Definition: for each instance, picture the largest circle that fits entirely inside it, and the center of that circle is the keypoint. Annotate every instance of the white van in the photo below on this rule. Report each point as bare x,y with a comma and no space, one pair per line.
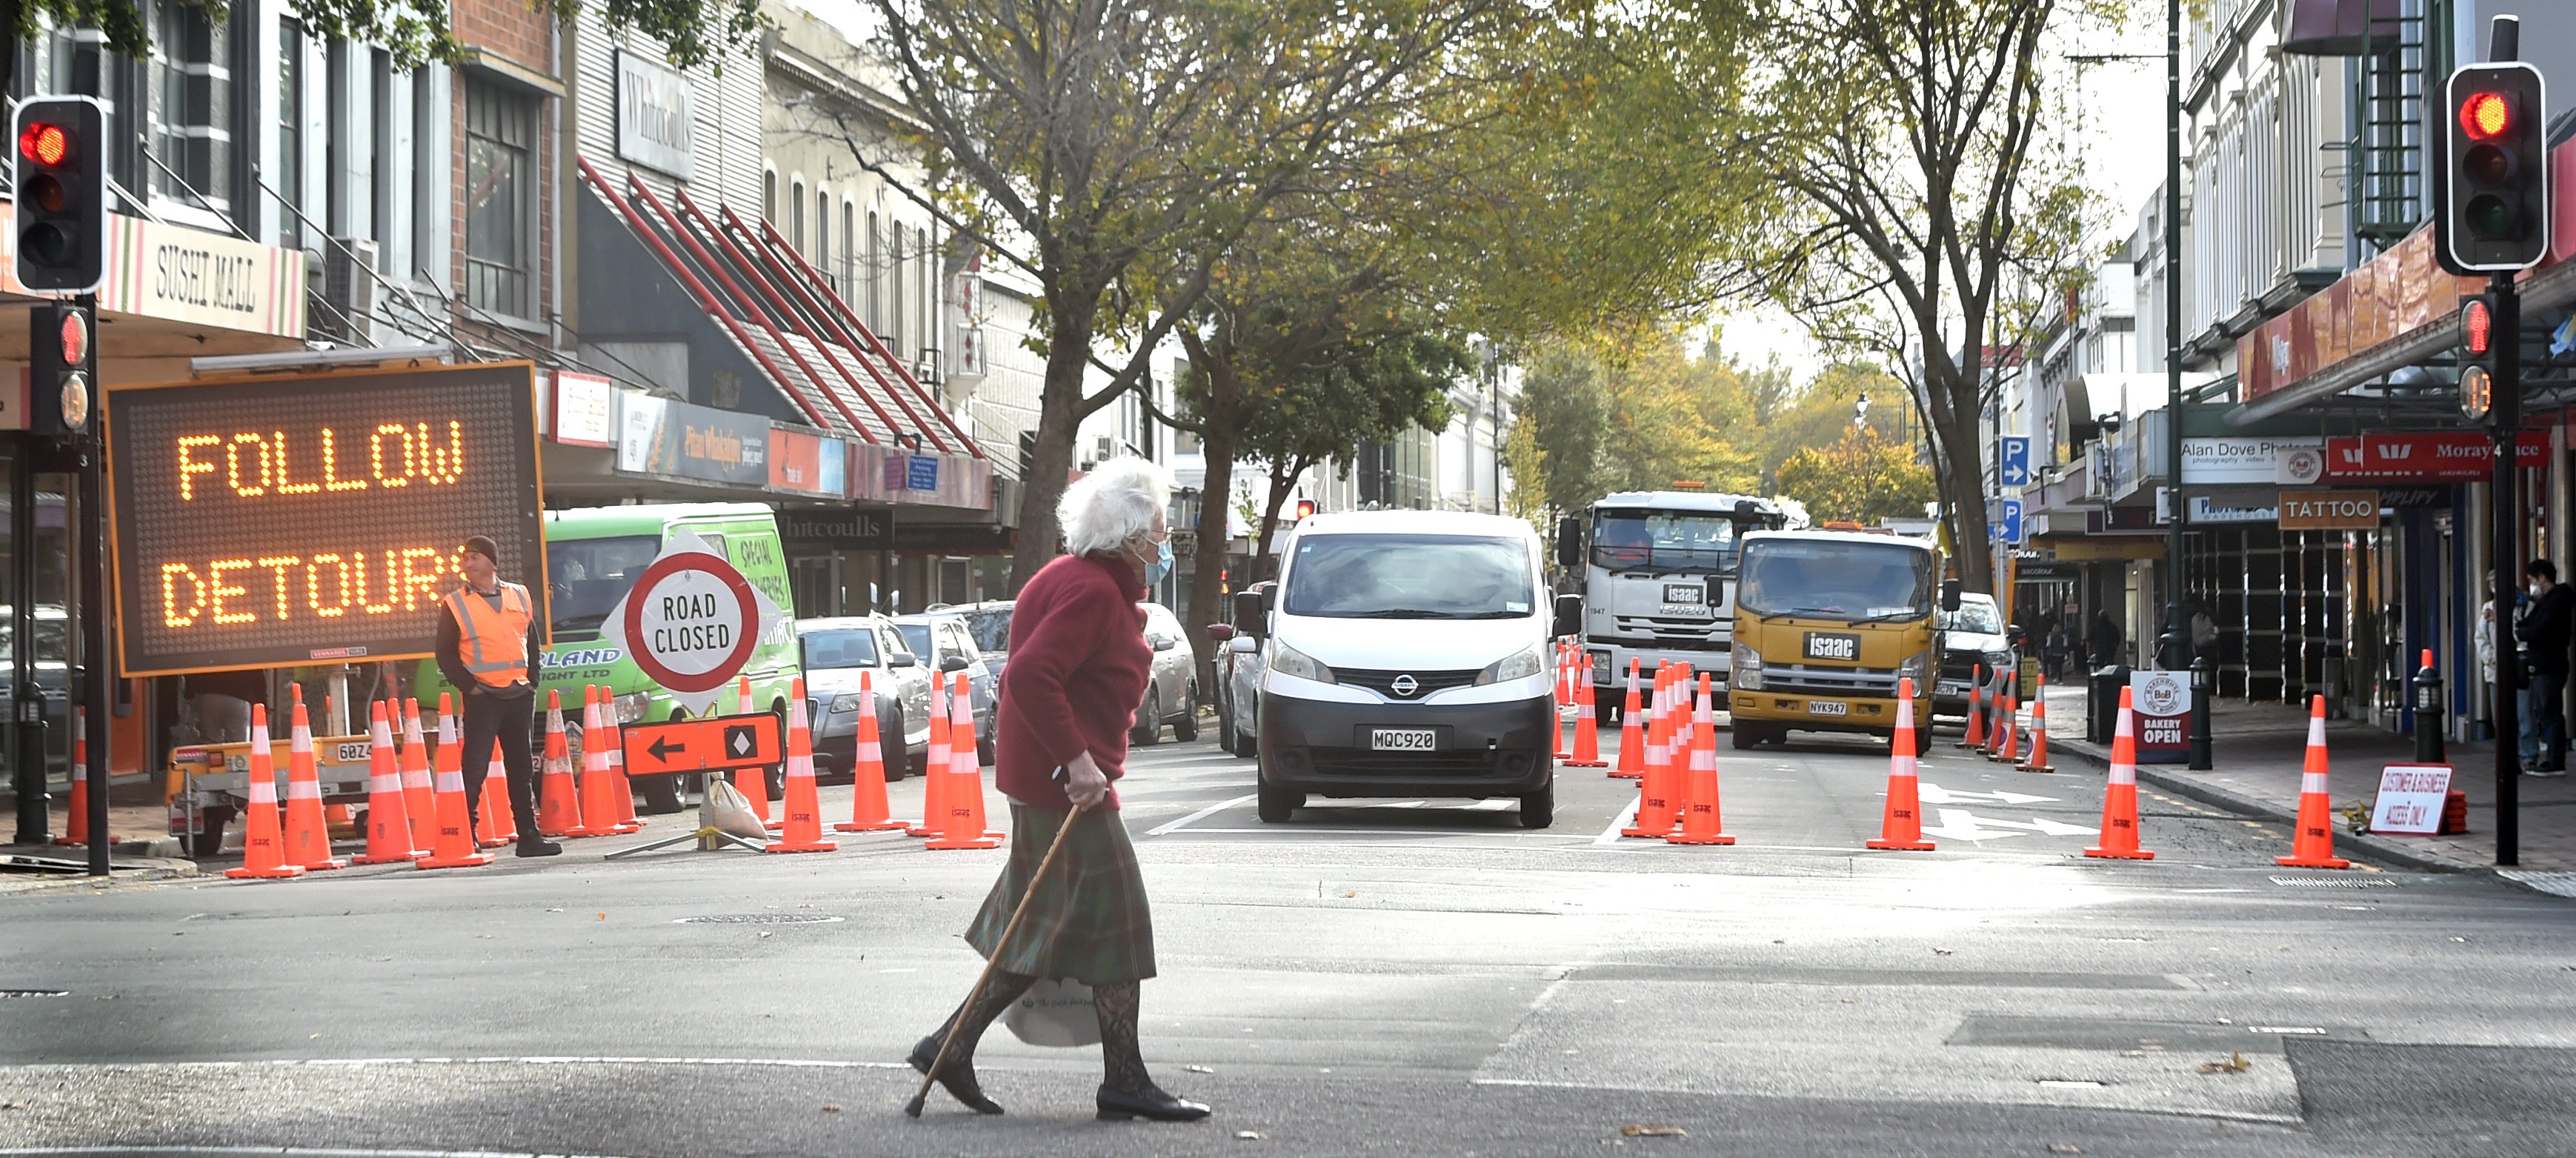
1406,654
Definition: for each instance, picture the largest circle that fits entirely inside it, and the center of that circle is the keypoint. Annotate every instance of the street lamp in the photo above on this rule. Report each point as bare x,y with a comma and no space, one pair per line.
1860,412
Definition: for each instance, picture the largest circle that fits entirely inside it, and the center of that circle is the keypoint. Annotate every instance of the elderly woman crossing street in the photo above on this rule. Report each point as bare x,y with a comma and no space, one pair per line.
1079,663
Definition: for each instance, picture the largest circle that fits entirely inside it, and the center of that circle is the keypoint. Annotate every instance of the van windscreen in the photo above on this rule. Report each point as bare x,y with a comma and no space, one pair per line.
586,577
1368,576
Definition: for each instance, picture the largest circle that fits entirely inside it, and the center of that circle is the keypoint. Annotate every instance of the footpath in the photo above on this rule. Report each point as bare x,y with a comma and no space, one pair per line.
140,845
2259,751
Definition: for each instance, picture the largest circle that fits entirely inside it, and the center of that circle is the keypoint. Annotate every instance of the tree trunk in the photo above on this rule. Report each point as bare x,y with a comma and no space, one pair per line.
1968,500
1280,484
1208,603
1059,421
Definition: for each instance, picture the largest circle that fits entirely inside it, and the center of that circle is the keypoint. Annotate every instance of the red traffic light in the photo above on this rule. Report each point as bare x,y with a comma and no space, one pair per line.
2485,115
45,143
2477,326
1305,507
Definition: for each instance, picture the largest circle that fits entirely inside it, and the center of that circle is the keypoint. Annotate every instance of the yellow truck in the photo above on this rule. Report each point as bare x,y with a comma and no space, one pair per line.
1826,624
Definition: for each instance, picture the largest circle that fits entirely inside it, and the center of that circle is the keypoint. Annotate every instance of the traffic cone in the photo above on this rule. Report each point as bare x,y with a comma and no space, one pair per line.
753,782
1976,735
2312,845
934,766
1901,827
76,822
1654,789
1560,676
624,797
499,825
1587,726
2007,732
1564,699
803,811
559,802
963,801
452,843
868,811
419,798
2120,797
263,848
1701,821
2037,761
1995,713
308,832
1632,732
388,813
598,808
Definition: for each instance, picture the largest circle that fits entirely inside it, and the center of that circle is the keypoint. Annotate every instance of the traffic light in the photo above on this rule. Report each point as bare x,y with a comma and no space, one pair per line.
62,351
2477,345
1305,507
2495,206
60,172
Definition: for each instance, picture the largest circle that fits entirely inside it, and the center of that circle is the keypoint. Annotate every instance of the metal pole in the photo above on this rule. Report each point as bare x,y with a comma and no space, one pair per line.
98,670
2503,543
27,709
2175,653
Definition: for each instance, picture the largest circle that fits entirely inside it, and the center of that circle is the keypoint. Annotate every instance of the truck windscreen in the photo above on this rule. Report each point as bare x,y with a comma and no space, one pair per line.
1855,581
1636,540
589,576
1359,576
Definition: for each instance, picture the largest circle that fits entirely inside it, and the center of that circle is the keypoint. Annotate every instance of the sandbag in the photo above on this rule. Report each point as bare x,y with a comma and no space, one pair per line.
726,810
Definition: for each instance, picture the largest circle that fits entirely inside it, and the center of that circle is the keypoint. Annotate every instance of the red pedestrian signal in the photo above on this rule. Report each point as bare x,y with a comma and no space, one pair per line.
2494,214
61,179
2477,326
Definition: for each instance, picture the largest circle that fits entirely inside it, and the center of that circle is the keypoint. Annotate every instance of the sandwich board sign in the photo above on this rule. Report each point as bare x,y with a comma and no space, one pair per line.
2411,797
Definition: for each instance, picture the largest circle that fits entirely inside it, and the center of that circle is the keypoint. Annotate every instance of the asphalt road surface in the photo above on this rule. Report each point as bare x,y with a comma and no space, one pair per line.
1382,977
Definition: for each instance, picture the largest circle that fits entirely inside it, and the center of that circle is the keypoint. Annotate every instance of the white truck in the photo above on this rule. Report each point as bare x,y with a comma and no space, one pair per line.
1658,575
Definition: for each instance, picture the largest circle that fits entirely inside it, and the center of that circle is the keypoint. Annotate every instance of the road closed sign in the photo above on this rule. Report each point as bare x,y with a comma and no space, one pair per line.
692,621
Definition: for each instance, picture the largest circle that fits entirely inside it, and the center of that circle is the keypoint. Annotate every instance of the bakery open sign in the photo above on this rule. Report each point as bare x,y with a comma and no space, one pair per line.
270,522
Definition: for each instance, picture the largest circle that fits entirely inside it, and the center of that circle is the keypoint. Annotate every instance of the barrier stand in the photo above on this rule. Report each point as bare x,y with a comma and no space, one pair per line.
701,755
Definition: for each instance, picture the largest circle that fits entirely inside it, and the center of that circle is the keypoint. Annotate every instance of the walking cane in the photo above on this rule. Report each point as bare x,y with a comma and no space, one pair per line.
912,1109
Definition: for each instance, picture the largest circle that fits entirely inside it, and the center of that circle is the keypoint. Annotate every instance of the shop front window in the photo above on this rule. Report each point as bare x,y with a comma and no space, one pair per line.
500,177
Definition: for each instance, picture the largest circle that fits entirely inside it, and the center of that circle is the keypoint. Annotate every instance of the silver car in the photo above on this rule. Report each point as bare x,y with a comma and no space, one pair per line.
943,641
1239,668
1172,695
836,652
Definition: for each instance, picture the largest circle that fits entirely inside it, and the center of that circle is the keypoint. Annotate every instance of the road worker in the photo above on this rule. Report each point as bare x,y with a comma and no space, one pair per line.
487,646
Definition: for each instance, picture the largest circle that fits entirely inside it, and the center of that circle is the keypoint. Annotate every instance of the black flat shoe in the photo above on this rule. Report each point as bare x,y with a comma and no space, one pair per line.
957,1079
1121,1106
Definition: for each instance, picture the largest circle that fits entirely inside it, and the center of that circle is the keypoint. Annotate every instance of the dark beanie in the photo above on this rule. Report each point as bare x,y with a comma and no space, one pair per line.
483,545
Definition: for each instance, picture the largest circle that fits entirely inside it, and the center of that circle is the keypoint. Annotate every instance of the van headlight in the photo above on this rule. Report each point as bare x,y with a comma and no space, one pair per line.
1522,664
1748,669
1289,661
632,706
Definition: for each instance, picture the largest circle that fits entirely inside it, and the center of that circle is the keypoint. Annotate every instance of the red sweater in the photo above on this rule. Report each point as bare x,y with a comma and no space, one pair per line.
1078,668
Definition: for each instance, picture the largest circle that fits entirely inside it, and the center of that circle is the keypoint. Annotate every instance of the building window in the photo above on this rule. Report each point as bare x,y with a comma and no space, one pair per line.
288,181
874,271
191,107
500,184
849,241
893,333
823,233
769,197
796,216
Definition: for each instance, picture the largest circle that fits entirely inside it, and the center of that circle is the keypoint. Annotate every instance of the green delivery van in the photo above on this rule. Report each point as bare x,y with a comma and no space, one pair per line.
593,556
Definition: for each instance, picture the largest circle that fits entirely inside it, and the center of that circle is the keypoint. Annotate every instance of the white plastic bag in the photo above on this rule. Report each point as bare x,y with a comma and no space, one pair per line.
728,811
1054,1013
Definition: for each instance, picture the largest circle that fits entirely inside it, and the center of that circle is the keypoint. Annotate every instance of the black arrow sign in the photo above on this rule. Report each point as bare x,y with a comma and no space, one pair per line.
664,749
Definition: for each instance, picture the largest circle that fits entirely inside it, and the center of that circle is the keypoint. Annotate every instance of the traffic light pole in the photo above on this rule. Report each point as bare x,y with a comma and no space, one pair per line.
2504,511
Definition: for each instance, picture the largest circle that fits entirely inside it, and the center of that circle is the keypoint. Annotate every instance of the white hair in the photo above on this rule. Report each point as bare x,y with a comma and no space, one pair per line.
1114,503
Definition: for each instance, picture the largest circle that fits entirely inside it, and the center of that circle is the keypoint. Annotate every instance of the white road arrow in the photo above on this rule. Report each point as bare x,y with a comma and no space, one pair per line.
1931,793
1961,824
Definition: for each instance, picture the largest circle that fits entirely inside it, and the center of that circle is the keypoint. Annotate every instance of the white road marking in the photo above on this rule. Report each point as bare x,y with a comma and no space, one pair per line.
1961,824
1935,794
1622,820
1284,830
1201,814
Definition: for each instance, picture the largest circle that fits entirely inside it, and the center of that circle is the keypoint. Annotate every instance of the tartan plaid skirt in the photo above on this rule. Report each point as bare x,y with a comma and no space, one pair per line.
1089,922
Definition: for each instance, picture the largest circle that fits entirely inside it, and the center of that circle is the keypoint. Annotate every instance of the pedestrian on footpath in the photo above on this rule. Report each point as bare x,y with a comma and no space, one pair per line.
1079,663
2486,647
2544,634
2106,639
486,642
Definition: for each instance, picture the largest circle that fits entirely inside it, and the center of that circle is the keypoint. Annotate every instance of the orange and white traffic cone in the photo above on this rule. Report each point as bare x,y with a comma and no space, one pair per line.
1565,683
388,813
2037,761
2120,796
1994,713
964,827
1976,734
1901,826
76,822
1587,726
868,809
624,797
2312,846
934,766
498,825
2007,731
1562,694
263,846
308,832
1702,823
1655,789
753,782
1632,732
558,797
804,806
419,798
452,841
598,807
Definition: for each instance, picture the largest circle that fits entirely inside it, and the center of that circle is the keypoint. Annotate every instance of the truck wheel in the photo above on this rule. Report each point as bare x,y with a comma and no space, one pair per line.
1277,803
209,838
1538,809
892,752
661,794
1744,735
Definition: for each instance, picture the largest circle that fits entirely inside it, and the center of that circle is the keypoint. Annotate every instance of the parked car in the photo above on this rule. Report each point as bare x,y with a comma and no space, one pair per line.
837,652
1239,667
1172,695
941,640
990,623
1407,654
1971,637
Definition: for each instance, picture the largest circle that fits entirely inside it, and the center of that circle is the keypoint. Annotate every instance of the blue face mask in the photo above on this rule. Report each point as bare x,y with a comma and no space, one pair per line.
1162,564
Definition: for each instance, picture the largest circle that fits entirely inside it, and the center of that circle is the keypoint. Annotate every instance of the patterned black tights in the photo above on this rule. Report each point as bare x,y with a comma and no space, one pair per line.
1122,1062
996,998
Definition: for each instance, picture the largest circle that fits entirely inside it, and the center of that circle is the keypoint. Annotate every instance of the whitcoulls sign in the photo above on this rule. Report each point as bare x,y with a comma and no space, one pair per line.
692,621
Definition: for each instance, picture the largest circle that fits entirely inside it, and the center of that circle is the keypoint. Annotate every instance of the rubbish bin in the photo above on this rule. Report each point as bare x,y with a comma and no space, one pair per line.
2104,700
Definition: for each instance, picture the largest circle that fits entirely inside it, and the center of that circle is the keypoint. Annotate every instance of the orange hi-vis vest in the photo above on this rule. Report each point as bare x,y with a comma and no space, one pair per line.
493,641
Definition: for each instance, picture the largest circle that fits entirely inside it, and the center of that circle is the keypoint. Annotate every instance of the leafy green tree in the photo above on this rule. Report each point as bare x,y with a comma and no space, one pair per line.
1862,478
1372,390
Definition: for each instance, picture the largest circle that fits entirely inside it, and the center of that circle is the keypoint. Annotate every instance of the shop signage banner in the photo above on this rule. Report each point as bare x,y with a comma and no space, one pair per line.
2161,703
2329,510
2425,456
2411,797
639,428
796,463
177,274
699,442
2223,461
2205,509
585,410
654,119
280,521
837,530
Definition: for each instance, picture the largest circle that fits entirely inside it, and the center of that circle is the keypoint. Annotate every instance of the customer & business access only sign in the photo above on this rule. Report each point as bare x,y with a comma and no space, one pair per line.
275,521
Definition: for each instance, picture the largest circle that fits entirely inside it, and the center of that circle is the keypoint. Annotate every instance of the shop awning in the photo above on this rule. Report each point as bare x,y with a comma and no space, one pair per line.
2342,27
175,292
779,314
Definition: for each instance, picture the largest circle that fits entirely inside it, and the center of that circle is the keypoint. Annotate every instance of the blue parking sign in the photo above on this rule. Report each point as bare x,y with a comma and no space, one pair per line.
2008,521
2014,471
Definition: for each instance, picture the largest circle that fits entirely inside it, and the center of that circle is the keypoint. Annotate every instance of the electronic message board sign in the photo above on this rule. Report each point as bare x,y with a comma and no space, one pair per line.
277,521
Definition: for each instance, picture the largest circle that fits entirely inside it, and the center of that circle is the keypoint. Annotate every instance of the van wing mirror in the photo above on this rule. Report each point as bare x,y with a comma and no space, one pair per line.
901,659
954,663
1569,542
1247,613
1269,600
1949,595
1569,616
